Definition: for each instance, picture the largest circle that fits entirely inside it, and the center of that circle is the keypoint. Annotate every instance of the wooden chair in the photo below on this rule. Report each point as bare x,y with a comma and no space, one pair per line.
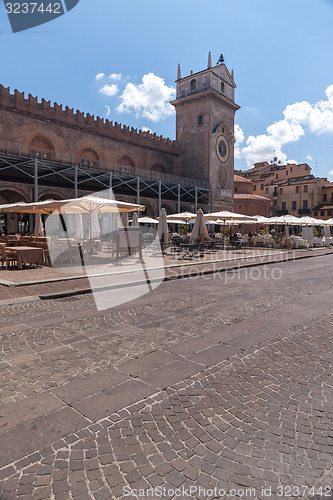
7,256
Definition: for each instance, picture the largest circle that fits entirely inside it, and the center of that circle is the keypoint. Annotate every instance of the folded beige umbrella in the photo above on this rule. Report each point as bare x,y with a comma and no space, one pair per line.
135,220
199,231
162,228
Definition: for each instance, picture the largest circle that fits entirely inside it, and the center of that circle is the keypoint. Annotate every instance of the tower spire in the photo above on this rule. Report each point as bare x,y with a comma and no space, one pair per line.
209,60
179,75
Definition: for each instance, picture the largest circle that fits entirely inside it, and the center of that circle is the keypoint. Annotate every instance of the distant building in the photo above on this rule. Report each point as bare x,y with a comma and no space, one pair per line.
291,188
324,210
247,203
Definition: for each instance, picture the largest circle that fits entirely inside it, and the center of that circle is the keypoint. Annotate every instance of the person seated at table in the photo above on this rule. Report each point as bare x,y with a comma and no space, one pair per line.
235,241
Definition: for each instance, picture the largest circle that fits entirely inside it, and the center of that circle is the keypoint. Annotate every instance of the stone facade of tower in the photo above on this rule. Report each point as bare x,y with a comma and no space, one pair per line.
205,111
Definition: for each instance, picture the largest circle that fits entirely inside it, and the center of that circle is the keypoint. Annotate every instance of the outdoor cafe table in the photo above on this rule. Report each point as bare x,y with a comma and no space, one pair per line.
28,255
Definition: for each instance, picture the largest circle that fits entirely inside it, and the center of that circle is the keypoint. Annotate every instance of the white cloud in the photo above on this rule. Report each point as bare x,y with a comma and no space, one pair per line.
115,76
309,158
108,111
331,173
145,129
99,76
299,118
148,99
109,90
239,137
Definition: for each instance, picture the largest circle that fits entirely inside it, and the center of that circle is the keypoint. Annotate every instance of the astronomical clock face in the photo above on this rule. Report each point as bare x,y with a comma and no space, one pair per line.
222,148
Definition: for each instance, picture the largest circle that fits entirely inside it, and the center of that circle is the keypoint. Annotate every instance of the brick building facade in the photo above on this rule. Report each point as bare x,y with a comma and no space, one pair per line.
203,150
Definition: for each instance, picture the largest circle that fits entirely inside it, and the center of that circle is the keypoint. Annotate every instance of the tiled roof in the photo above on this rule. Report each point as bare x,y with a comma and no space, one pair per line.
238,178
240,196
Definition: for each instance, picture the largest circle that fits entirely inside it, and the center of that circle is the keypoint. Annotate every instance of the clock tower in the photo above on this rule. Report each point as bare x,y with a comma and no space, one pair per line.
205,112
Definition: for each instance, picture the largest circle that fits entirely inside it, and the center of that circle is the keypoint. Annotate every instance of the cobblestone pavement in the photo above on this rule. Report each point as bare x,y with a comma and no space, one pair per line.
221,382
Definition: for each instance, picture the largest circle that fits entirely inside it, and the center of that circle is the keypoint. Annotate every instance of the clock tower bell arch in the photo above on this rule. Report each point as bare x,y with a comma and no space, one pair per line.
205,113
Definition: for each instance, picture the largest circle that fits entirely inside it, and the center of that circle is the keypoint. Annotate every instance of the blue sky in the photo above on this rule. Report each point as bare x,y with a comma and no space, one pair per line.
281,53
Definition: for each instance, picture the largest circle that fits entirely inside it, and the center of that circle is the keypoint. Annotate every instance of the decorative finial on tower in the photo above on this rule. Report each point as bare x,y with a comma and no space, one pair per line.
179,75
232,75
209,60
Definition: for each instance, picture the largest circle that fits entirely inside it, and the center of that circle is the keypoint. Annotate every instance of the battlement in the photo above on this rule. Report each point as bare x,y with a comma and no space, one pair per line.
43,109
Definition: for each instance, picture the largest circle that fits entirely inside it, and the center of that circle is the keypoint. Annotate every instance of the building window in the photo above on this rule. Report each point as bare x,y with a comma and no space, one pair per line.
266,190
293,205
281,190
276,176
316,213
200,120
262,187
305,188
329,212
283,206
235,190
255,187
193,85
274,202
297,189
305,204
322,212
286,172
324,197
222,86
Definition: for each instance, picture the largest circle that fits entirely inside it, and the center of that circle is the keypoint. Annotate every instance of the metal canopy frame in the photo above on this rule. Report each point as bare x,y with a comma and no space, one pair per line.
33,170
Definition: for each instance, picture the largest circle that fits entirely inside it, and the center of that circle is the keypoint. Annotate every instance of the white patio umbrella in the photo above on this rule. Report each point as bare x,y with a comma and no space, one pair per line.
147,220
312,221
162,228
86,204
290,220
182,217
199,231
38,229
225,215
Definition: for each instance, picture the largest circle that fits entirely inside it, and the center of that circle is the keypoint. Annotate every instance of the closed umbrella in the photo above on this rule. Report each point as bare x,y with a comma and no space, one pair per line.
124,219
78,227
162,229
135,221
199,231
38,229
94,230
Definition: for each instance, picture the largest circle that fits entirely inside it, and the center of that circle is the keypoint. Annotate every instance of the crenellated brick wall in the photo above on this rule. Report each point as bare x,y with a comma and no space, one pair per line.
23,119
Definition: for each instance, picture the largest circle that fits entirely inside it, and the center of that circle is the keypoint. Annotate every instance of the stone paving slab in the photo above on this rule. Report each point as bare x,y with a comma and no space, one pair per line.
28,409
111,400
213,355
147,362
31,436
90,385
172,373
